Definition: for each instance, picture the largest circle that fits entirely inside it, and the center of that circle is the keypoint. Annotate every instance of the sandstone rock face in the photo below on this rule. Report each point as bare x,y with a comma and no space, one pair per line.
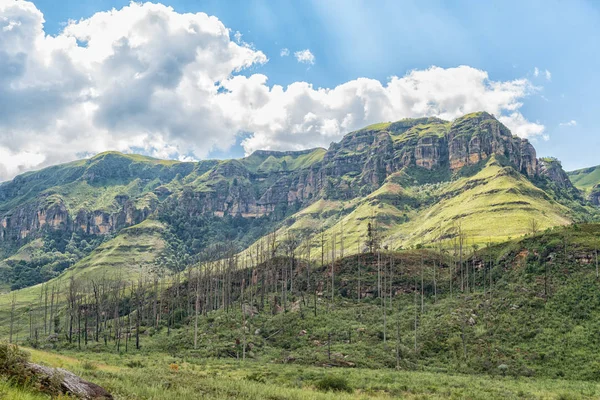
476,137
552,169
258,184
32,218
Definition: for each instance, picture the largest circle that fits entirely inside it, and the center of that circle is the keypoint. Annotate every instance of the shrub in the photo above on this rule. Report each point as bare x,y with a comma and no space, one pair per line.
334,383
135,364
257,377
13,363
88,365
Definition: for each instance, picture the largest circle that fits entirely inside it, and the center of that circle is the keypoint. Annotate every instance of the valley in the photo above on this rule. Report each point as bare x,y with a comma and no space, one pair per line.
417,259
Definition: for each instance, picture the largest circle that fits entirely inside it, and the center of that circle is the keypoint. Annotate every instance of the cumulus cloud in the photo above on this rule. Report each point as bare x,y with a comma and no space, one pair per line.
146,77
569,123
536,72
300,115
305,56
548,75
284,52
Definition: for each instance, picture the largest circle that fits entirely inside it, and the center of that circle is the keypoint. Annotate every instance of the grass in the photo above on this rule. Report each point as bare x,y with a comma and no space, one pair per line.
434,130
546,343
218,379
131,249
10,392
493,205
585,179
377,127
269,162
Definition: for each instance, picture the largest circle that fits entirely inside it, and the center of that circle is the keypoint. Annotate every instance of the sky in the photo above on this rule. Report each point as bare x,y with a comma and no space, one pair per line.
193,79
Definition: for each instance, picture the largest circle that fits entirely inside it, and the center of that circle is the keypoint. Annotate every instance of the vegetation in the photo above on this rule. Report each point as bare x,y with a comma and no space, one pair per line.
585,179
222,379
213,278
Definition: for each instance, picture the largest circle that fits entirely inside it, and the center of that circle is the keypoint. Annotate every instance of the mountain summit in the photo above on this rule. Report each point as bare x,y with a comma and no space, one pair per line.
418,180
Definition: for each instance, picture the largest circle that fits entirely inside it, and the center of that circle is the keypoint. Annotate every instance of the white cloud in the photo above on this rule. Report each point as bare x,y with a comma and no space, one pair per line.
305,57
301,116
520,126
547,74
238,37
569,123
284,52
146,77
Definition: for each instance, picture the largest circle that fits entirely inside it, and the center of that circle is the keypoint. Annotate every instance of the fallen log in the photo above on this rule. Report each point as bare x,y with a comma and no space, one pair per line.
69,383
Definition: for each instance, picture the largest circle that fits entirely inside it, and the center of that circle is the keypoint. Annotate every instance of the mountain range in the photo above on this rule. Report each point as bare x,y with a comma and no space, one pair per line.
415,183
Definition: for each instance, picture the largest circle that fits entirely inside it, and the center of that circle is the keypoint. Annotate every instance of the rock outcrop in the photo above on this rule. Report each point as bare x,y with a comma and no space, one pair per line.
594,196
258,184
552,169
70,384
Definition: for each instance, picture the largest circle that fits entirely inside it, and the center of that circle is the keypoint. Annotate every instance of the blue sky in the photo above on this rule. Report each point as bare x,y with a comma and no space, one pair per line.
352,39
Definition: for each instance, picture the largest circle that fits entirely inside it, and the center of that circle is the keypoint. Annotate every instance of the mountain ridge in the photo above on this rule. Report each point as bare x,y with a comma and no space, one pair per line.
393,173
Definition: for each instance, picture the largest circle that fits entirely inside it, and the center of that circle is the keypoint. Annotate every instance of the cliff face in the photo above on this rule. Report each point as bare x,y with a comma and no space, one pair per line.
368,156
52,213
552,169
111,191
594,196
476,137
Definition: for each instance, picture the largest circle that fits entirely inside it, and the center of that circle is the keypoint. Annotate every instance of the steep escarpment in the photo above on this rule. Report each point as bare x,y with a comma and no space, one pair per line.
594,195
364,159
410,176
95,197
111,191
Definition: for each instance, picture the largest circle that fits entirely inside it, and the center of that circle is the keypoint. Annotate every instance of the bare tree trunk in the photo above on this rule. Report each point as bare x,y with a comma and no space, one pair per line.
13,302
196,312
416,315
596,263
422,286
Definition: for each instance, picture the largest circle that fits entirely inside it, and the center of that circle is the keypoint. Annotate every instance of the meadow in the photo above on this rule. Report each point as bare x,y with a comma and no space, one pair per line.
161,376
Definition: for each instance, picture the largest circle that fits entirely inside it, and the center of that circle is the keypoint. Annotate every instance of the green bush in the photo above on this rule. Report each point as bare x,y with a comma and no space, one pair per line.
88,365
13,363
334,384
135,364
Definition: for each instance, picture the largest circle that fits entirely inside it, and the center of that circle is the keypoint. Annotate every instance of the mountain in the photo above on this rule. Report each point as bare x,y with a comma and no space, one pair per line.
588,180
416,180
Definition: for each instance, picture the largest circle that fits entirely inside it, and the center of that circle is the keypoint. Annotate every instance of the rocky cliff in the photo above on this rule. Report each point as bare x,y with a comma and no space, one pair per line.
111,191
594,196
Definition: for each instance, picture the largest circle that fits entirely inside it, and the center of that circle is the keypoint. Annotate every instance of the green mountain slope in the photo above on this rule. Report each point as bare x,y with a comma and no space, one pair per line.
585,179
417,181
588,180
492,205
528,307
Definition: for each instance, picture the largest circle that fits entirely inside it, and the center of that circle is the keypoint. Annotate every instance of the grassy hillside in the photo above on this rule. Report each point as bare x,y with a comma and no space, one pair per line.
274,161
132,249
494,204
526,308
585,179
123,257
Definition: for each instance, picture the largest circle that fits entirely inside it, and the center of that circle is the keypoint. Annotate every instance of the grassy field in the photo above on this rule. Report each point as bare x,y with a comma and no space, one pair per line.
585,179
160,376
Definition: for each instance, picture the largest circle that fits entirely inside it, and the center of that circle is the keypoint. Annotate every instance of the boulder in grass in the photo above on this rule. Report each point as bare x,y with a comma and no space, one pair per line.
68,383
